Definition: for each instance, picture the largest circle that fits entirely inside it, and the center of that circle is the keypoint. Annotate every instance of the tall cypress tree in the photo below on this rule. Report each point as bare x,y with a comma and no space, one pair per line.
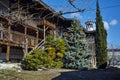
100,40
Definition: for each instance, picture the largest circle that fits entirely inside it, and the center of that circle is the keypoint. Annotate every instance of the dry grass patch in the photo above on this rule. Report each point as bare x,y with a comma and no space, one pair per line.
28,75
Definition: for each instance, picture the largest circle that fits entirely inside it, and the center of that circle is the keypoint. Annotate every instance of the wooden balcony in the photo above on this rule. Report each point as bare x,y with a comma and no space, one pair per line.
16,38
46,23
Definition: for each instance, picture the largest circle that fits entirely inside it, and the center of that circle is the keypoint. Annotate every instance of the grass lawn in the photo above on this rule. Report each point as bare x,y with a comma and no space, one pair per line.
28,75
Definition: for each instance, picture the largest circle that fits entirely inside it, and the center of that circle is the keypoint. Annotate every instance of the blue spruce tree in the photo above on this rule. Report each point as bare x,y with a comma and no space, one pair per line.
76,56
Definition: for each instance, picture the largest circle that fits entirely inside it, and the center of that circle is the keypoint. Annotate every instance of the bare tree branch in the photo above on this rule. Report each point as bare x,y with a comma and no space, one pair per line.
78,9
62,13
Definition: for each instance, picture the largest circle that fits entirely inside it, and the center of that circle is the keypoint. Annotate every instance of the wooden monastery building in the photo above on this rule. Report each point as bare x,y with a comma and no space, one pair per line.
24,24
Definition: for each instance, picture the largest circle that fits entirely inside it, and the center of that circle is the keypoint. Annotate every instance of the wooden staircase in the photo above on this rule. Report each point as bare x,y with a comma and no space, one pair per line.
39,46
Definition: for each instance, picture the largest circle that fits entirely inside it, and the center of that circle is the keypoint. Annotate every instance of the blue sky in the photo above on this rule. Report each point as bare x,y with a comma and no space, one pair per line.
110,11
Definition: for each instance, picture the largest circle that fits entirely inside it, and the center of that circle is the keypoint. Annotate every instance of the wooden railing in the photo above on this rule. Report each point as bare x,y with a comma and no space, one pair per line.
17,38
20,38
47,23
30,22
31,41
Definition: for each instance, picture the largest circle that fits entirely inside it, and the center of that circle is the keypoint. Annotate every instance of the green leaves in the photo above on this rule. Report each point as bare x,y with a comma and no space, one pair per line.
58,44
50,57
36,60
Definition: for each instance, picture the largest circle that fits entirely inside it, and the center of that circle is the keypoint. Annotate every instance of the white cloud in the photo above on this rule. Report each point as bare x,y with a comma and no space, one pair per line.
77,15
113,22
106,25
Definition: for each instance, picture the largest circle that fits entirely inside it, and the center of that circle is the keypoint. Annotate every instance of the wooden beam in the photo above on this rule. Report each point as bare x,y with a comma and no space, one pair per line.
8,53
46,28
46,23
28,26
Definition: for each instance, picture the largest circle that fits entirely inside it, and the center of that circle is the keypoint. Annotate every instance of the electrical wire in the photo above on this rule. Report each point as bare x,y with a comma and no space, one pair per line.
104,7
92,9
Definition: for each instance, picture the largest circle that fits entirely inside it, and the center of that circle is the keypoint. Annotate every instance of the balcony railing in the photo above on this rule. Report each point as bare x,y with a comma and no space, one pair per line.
17,38
47,23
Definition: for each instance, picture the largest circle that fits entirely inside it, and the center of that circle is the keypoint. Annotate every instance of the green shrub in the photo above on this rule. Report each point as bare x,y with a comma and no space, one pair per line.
58,64
50,57
36,60
55,45
56,49
51,52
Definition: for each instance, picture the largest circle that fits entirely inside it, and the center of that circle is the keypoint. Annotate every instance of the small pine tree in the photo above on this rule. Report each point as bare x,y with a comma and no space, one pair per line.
76,56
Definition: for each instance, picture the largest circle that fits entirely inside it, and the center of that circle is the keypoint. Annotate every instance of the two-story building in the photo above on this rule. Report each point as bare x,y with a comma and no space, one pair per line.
24,24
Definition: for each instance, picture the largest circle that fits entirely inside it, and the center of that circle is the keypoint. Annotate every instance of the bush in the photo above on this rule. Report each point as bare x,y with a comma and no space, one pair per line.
57,43
50,57
58,64
56,49
51,52
36,60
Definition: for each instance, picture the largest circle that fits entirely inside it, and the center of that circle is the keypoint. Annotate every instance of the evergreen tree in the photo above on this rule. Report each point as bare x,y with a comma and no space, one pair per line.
100,40
76,56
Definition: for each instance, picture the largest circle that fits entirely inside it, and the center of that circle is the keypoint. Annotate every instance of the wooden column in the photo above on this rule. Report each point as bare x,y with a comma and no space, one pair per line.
54,32
9,31
1,31
26,46
37,37
1,34
8,53
25,50
9,39
44,33
25,32
45,28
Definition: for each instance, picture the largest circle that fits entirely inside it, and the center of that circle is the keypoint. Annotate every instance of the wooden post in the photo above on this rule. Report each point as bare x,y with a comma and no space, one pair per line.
1,34
25,32
44,33
37,37
8,53
8,46
26,45
10,35
54,32
25,50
